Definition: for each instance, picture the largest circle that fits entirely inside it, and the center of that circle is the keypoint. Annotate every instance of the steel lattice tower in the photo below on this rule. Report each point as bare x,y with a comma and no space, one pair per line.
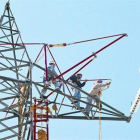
16,88
12,58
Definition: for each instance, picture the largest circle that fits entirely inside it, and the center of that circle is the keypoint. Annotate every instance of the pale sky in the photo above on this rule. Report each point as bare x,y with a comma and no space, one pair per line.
58,21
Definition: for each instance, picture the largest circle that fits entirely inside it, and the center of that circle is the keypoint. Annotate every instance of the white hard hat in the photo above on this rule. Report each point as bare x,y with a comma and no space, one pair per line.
79,74
52,62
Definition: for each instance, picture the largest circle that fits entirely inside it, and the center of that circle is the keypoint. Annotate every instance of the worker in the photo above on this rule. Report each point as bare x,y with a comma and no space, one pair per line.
51,68
76,82
95,93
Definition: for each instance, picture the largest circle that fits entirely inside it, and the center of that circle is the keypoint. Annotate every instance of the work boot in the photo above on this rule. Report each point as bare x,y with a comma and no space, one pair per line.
27,114
57,88
44,97
86,113
80,108
74,101
43,91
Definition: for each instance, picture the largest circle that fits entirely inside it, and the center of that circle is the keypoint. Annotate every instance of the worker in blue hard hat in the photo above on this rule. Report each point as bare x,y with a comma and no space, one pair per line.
95,92
76,82
56,83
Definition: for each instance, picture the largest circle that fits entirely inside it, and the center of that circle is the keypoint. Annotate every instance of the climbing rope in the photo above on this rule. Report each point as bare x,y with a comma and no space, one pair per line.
100,131
100,94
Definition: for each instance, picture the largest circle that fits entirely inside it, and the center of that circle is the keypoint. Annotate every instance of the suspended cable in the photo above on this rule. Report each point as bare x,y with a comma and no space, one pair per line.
100,130
65,44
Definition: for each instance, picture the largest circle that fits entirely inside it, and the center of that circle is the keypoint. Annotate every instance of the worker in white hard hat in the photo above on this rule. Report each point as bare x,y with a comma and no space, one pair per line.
76,81
56,83
95,92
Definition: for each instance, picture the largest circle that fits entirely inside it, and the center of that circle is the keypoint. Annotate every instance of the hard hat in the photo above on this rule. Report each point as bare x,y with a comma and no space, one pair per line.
79,74
99,81
52,62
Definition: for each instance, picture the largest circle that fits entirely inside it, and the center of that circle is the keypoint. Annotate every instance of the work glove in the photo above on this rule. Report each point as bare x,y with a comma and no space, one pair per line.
108,83
85,81
53,81
78,80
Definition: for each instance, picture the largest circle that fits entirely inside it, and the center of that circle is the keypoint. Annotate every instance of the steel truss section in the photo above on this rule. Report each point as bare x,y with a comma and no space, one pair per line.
110,112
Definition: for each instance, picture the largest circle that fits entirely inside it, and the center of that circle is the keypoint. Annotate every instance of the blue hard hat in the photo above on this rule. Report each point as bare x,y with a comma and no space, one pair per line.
99,81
